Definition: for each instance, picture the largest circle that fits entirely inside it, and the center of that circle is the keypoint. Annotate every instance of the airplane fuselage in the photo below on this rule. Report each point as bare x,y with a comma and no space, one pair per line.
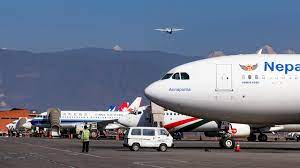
252,89
69,119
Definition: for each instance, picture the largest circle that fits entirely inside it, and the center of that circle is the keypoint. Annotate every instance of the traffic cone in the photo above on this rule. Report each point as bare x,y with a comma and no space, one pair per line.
237,147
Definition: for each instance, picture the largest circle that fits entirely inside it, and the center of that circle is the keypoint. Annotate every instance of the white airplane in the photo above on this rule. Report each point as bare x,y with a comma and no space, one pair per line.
257,89
19,124
169,30
69,119
12,126
176,122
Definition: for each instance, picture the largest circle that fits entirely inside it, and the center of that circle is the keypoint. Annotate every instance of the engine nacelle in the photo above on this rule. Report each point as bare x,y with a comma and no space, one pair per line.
240,130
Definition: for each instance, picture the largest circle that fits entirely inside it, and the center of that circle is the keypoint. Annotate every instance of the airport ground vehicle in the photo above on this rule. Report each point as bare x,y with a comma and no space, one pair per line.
148,137
92,127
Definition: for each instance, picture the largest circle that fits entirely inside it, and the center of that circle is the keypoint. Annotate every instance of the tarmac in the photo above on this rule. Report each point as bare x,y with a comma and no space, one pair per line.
42,152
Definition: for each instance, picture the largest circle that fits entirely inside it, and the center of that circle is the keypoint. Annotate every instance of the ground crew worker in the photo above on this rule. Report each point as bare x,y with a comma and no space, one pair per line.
85,137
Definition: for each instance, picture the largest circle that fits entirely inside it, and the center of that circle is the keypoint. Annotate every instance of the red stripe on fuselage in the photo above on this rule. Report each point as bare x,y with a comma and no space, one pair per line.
181,122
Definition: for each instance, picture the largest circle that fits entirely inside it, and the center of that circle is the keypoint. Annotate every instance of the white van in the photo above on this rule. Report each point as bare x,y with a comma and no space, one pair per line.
148,137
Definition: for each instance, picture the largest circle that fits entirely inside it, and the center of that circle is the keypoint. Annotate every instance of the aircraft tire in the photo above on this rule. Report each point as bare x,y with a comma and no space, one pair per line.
262,138
94,134
228,143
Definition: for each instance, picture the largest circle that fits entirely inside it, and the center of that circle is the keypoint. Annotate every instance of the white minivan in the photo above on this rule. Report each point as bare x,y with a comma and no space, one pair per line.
148,137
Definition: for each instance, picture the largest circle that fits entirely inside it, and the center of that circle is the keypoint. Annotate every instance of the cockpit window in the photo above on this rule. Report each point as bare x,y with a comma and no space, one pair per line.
176,76
167,76
184,76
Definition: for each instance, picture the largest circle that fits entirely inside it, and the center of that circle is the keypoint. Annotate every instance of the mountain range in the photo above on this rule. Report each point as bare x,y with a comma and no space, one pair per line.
83,79
79,79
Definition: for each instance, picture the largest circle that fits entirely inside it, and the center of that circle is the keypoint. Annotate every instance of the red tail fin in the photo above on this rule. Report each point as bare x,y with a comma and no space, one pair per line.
124,106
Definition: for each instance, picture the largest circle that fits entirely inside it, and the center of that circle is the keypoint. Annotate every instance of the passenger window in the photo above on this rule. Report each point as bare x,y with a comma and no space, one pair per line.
249,76
176,76
184,76
136,132
163,132
148,132
139,112
167,76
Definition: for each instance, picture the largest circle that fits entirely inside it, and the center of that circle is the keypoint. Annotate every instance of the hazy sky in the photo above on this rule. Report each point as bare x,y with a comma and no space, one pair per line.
232,26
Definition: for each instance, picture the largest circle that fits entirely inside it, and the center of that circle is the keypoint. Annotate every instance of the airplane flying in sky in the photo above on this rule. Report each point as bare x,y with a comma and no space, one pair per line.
169,30
256,89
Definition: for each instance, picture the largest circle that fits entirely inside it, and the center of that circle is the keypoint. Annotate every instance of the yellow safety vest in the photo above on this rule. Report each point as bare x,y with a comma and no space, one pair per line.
85,135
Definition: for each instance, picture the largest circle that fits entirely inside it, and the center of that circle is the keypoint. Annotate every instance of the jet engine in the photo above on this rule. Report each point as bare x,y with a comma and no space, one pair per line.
240,130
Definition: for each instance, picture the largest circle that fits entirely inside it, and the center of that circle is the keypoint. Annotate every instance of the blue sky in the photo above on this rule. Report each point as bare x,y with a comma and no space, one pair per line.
231,26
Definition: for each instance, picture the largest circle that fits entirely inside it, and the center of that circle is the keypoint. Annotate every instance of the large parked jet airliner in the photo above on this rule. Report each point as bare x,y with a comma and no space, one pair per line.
256,89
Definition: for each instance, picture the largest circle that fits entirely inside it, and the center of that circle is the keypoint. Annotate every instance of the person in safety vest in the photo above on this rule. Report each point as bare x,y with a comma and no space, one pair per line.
85,137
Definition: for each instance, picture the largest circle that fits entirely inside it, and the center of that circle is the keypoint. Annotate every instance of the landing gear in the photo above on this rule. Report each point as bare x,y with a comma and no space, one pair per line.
251,137
227,143
262,138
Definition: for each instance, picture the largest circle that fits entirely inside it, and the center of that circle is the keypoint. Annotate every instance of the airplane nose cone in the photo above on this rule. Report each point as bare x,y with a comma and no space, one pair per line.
151,91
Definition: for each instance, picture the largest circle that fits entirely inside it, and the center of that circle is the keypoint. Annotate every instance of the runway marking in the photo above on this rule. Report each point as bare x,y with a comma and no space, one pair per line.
67,151
147,164
181,161
51,161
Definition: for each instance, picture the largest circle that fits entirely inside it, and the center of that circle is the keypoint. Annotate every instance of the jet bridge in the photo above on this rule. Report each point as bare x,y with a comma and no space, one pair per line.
157,115
54,119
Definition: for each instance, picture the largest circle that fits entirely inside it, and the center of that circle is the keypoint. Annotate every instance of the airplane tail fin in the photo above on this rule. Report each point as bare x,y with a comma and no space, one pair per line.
135,104
112,108
123,106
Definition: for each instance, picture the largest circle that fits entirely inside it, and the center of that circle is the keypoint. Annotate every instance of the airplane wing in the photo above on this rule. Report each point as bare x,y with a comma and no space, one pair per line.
177,29
162,30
